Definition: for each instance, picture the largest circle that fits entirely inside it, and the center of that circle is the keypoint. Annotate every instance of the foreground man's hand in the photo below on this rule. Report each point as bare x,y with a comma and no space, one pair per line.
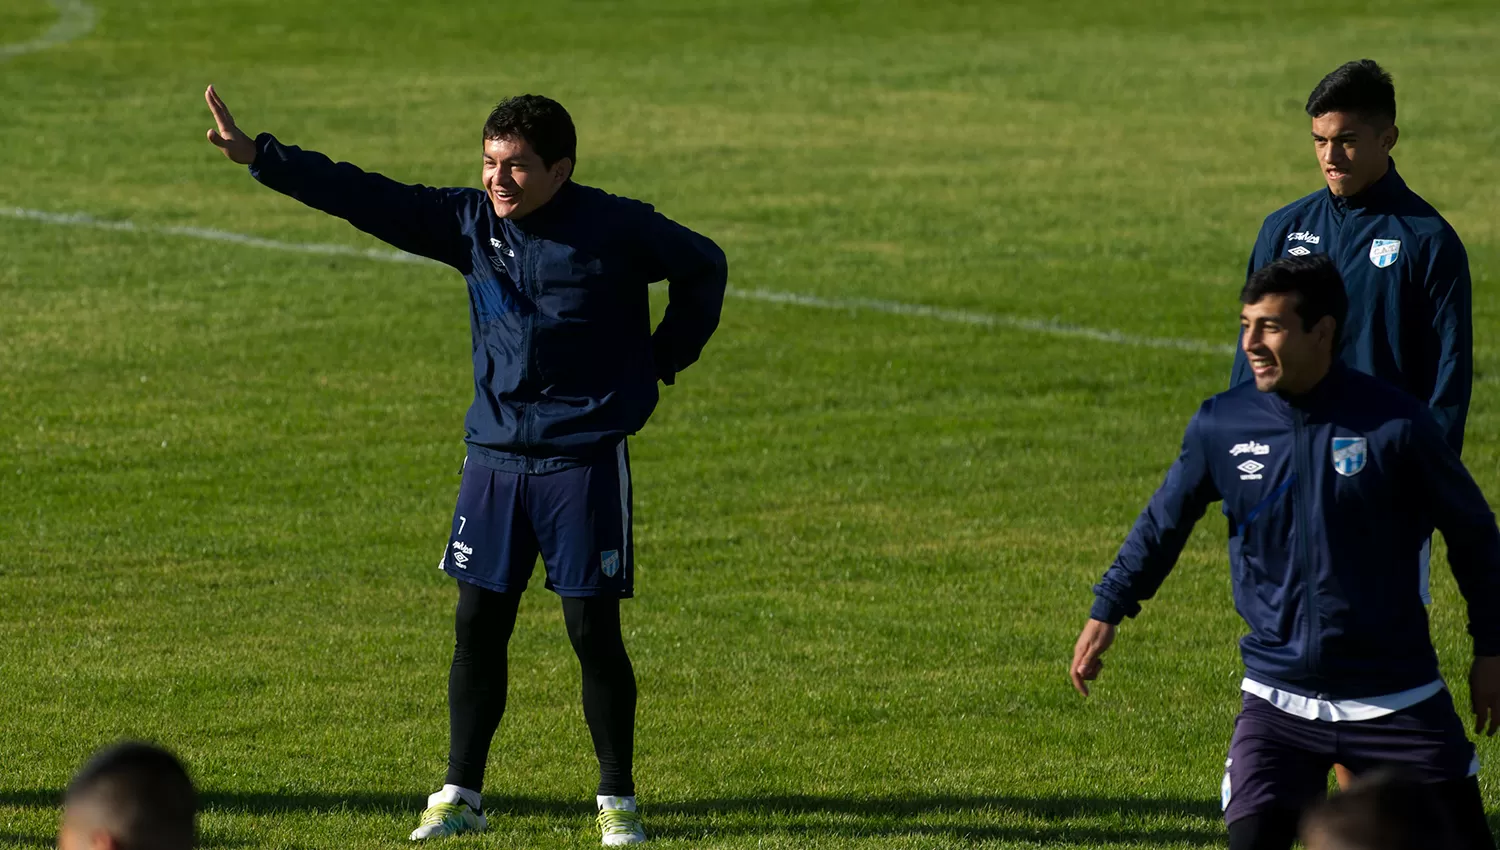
1087,661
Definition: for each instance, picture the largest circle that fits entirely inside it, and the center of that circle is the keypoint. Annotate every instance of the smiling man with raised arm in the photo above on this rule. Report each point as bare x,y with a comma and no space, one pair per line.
565,369
1332,481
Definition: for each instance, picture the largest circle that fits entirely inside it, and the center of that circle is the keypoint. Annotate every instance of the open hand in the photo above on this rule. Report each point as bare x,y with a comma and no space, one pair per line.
235,143
1087,661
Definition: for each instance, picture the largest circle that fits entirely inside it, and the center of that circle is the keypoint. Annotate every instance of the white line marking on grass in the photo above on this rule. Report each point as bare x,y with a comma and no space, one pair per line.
942,314
75,19
988,320
82,220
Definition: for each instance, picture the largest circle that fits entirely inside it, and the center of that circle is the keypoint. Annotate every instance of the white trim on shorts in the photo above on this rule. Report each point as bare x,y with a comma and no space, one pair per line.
627,555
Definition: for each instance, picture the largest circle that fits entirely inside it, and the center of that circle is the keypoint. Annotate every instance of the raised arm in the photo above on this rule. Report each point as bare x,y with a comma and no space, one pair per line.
697,273
416,219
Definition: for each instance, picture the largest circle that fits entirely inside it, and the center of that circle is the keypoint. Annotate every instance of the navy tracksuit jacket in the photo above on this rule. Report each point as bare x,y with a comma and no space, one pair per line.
565,361
1407,276
1330,498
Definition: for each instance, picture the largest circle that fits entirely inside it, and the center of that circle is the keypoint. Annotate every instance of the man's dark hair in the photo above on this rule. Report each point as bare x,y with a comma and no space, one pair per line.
1385,811
1362,87
541,121
138,793
1313,279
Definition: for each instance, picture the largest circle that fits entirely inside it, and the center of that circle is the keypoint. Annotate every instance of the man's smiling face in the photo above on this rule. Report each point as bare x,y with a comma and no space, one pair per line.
517,180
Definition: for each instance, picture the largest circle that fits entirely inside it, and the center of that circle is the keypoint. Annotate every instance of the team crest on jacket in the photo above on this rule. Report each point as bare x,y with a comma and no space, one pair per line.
1348,455
609,562
1383,252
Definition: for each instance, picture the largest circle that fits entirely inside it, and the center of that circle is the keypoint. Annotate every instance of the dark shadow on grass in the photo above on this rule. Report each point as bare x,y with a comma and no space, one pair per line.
10,839
958,817
963,817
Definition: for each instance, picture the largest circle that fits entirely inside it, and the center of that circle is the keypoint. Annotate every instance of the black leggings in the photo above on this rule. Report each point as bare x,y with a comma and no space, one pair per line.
477,683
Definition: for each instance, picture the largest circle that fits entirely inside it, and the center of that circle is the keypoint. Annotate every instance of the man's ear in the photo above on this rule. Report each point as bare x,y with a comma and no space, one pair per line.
1391,136
562,170
1327,328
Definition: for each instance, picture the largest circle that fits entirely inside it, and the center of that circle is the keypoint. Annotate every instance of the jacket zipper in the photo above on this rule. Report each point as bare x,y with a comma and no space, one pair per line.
1302,529
522,256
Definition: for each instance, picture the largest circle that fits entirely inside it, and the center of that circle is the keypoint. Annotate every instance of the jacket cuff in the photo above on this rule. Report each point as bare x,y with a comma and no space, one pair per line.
263,158
1112,611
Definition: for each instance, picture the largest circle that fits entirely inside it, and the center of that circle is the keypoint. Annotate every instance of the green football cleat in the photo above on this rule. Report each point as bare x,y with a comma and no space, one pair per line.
447,816
620,825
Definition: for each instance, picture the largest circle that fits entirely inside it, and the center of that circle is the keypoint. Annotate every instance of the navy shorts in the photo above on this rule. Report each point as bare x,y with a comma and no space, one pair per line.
1280,761
577,520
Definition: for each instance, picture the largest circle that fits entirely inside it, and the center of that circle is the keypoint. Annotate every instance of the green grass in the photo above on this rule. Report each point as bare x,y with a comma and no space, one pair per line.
866,541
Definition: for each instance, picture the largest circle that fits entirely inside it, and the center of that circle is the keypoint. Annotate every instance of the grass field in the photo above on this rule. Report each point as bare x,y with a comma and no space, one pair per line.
866,538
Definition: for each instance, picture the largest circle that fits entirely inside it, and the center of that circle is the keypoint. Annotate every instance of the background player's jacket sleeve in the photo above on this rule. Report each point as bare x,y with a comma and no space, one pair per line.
1459,510
1452,296
1260,256
1159,534
696,272
417,219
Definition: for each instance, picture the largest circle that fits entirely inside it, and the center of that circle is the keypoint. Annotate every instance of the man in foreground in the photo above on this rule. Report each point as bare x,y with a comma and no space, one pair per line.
1332,481
565,368
131,796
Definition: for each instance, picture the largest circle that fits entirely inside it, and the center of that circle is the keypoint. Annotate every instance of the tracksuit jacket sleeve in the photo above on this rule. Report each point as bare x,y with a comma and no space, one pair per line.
417,219
697,273
1460,512
1159,534
1452,301
1261,255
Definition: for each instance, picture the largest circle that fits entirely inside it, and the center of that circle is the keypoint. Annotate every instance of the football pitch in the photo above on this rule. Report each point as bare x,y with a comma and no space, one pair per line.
984,262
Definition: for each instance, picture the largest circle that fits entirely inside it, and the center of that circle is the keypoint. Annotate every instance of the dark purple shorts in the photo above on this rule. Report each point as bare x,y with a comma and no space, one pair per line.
1281,761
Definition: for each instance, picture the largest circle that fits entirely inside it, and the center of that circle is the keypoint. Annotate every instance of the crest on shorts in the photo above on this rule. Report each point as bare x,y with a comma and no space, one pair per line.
1348,455
1383,252
609,562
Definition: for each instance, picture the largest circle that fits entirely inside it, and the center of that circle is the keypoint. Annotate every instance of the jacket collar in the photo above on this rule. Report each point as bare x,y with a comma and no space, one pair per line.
1389,186
547,215
1315,398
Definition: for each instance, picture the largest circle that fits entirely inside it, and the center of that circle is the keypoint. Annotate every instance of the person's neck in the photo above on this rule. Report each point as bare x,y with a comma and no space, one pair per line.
541,213
1365,194
1310,388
